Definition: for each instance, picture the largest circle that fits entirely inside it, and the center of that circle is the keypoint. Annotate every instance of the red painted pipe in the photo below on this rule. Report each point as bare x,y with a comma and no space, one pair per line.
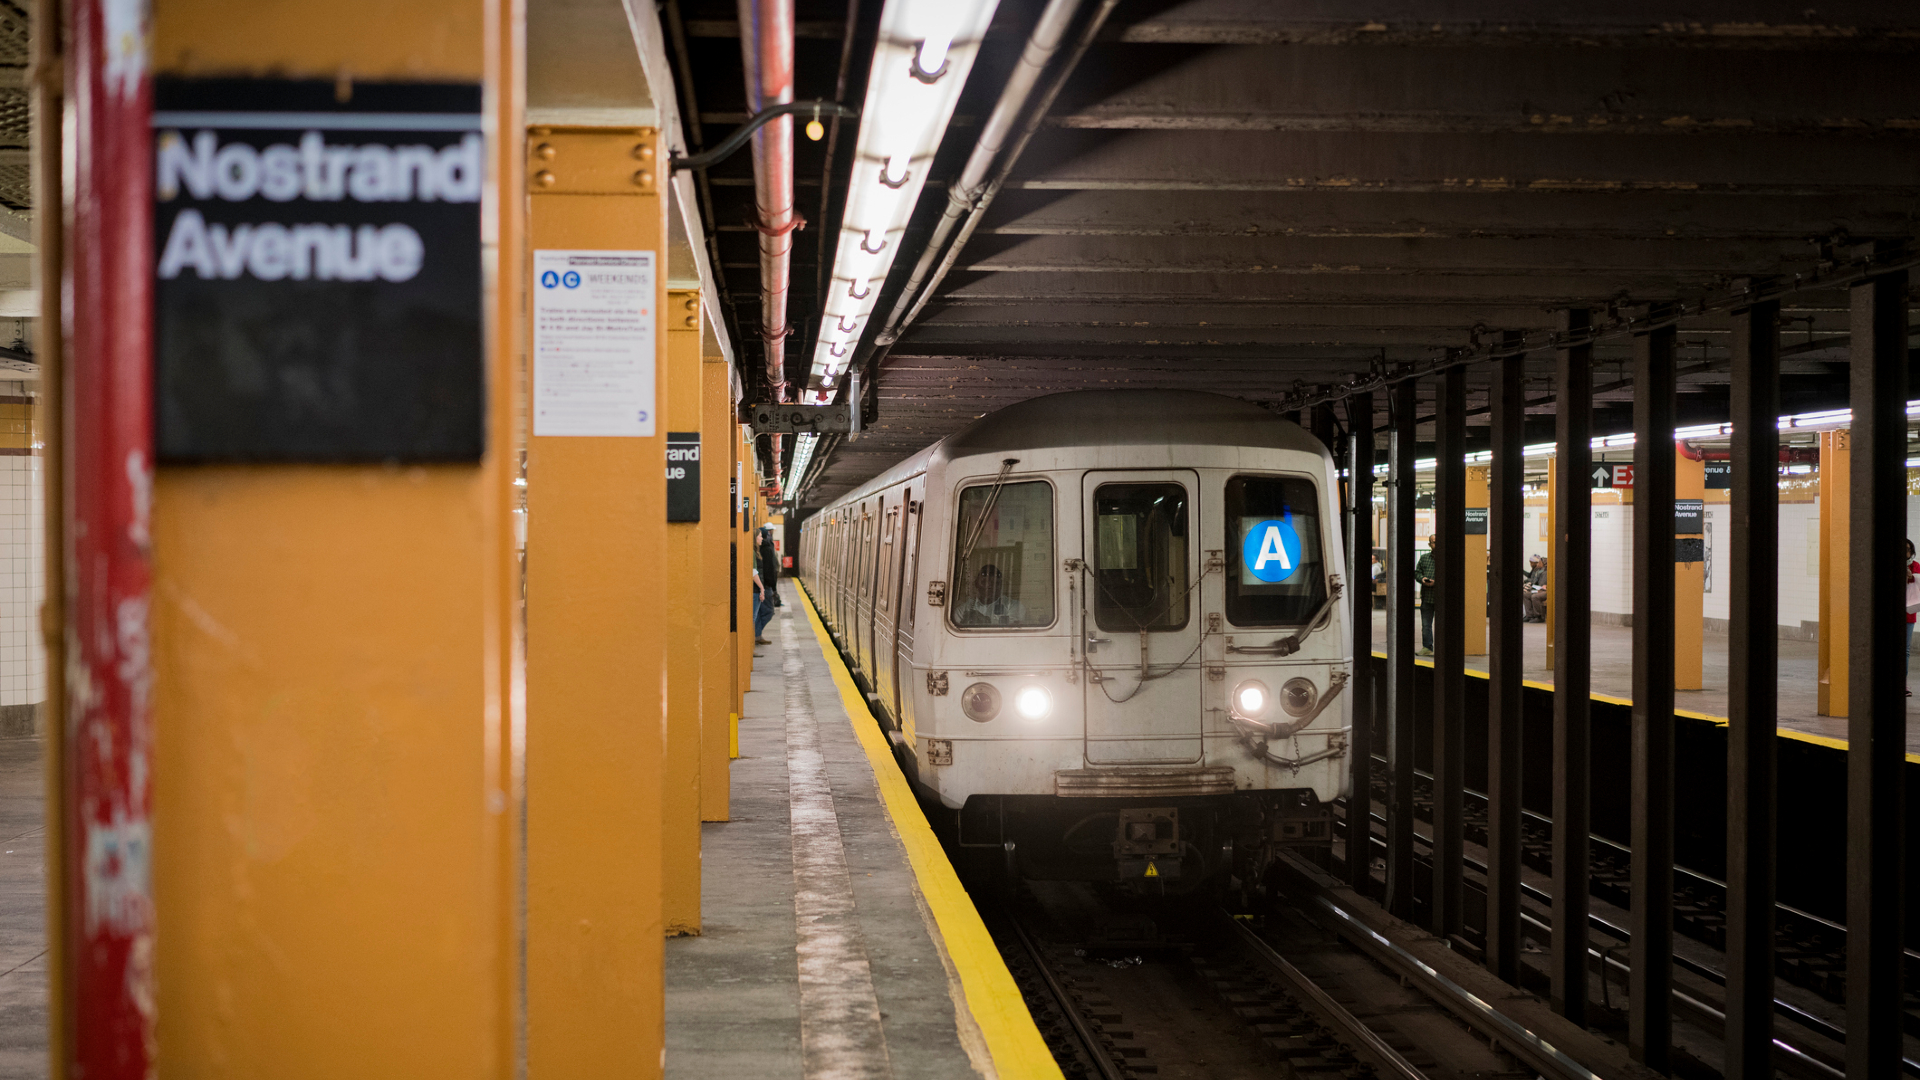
108,732
766,47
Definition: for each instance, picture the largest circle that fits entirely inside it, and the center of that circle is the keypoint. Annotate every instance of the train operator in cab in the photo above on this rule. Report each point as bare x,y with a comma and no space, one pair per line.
989,605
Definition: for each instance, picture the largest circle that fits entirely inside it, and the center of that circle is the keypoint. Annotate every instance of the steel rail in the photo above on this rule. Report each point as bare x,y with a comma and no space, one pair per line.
1095,1052
1784,1009
1351,1026
1519,1040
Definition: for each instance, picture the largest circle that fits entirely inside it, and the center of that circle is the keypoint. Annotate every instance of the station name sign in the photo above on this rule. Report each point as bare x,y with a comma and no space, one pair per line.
317,292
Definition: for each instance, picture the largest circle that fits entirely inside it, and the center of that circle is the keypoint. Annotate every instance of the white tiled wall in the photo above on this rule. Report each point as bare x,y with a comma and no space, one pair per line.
23,665
1799,562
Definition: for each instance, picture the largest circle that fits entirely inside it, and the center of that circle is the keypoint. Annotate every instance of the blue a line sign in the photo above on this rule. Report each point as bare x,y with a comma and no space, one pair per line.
1271,551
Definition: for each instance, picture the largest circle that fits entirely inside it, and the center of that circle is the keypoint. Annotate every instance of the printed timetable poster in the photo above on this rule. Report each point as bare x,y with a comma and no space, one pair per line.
593,343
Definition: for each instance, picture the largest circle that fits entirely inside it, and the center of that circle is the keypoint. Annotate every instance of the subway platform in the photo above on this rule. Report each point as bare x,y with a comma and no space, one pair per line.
837,940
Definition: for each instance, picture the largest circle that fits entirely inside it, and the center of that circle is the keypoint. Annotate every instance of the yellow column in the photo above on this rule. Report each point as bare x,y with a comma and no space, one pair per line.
1836,469
596,676
1689,580
718,712
1553,551
334,810
681,579
743,537
1474,551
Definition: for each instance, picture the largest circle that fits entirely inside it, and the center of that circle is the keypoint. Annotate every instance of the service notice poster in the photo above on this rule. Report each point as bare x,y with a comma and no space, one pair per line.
593,343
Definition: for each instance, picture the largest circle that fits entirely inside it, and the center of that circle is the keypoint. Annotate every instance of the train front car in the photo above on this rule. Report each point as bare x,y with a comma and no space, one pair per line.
1128,653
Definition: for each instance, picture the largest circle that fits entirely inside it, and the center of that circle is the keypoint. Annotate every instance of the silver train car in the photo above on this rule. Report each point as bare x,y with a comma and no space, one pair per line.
1103,633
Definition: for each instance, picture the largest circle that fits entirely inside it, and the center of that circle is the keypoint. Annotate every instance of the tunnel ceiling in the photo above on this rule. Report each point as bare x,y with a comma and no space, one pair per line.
1268,199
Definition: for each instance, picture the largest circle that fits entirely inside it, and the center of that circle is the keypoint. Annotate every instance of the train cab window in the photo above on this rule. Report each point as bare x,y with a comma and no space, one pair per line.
1276,571
1003,557
1140,557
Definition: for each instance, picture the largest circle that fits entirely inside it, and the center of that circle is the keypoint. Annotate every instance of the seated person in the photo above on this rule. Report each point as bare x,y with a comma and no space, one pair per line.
988,606
1534,589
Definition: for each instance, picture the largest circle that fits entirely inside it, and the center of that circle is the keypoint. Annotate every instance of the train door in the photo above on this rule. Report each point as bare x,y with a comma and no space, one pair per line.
886,617
862,590
1140,617
876,530
907,606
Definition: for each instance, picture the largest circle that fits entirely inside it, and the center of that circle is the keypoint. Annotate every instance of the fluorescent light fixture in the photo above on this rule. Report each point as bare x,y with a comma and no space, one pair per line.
1813,421
925,52
802,457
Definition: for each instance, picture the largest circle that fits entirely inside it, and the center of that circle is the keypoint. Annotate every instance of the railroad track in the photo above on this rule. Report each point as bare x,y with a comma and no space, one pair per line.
1811,949
1185,990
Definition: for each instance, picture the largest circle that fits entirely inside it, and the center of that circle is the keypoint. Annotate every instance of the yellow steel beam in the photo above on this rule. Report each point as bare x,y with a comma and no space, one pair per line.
1689,583
334,825
596,671
1836,469
681,578
718,710
1474,551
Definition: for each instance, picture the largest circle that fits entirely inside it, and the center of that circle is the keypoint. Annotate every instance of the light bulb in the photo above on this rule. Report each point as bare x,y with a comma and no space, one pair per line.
933,51
815,129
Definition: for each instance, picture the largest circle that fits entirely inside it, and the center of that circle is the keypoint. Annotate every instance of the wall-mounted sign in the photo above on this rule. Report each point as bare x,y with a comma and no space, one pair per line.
317,293
683,476
1719,474
1689,549
1476,523
1689,517
593,343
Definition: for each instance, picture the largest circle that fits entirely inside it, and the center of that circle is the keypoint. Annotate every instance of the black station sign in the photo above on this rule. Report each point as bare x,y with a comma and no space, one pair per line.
683,476
1476,523
317,293
1689,517
1719,474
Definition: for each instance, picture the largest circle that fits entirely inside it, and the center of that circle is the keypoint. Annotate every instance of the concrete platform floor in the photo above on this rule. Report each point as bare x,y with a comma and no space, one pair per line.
1613,676
799,953
23,907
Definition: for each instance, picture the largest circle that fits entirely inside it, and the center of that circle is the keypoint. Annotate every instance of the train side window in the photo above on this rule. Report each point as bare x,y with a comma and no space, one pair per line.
1140,557
1003,557
1276,570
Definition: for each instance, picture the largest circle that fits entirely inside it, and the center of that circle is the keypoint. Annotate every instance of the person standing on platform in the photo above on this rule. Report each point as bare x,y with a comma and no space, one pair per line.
1428,572
767,577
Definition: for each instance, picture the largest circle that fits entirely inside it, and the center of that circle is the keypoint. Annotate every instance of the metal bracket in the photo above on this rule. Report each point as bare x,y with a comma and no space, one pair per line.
797,419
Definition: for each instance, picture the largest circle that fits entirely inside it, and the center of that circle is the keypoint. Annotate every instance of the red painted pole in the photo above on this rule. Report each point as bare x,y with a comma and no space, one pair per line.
108,730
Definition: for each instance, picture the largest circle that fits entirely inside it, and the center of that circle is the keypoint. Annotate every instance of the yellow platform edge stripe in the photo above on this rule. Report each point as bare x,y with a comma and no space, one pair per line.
1827,741
992,997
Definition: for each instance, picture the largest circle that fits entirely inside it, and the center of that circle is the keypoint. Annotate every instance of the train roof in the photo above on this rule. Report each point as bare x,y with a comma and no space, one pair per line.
1108,418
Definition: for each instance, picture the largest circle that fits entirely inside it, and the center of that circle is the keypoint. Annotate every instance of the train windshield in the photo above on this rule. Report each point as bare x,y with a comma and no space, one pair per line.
1276,571
1003,557
1140,557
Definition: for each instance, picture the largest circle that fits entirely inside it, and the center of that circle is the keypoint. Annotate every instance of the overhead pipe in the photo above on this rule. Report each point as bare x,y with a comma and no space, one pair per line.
964,194
766,50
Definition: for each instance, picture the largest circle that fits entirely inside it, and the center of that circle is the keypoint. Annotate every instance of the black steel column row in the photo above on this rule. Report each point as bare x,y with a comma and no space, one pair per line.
1753,674
1400,644
1506,517
1572,599
1360,589
1876,821
1650,800
1877,720
1449,651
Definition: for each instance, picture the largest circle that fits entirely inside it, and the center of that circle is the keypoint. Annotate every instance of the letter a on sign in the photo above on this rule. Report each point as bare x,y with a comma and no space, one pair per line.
1271,550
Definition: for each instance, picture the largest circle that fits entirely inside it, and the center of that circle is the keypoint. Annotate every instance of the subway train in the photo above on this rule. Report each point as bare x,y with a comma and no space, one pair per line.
1102,630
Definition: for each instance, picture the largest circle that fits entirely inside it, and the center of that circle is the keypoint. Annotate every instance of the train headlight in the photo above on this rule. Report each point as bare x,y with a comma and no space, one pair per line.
1299,696
1250,699
981,702
1032,702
